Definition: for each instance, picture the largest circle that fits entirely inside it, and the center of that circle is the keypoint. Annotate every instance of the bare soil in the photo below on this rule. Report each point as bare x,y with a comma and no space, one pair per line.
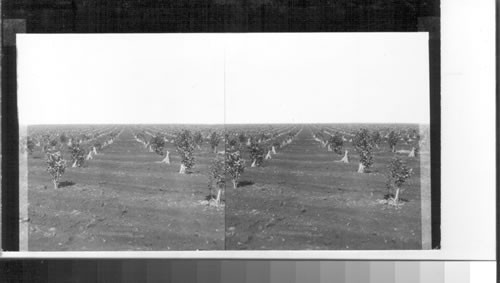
123,200
302,199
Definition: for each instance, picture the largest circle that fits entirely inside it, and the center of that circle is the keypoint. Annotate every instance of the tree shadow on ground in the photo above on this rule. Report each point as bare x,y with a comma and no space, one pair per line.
245,183
210,197
391,196
66,184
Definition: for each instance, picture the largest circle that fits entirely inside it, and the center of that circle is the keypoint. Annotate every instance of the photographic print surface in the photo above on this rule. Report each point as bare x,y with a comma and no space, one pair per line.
209,142
336,131
115,158
330,186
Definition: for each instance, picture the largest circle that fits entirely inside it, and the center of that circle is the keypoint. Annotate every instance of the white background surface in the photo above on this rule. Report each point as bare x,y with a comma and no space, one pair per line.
187,78
327,78
468,150
468,121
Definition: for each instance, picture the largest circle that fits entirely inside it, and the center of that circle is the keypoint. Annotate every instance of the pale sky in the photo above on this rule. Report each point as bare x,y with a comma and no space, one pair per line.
188,78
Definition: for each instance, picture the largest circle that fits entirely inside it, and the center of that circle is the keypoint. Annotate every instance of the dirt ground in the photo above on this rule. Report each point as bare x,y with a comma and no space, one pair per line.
123,200
302,199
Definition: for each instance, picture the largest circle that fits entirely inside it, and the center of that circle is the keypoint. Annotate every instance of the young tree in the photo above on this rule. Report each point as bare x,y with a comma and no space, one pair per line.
157,144
416,146
96,146
56,165
82,138
336,143
392,139
53,143
235,165
89,155
398,174
140,136
276,145
198,139
412,152
217,178
63,138
77,155
345,159
363,145
242,138
417,137
45,139
165,160
376,138
415,151
268,155
262,137
185,147
214,141
232,143
256,154
30,145
406,138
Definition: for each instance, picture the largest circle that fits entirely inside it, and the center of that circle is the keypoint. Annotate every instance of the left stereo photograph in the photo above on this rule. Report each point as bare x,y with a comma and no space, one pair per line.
121,143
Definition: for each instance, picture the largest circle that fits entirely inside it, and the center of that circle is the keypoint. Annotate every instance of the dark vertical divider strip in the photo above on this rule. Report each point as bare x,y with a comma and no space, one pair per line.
10,149
10,134
435,103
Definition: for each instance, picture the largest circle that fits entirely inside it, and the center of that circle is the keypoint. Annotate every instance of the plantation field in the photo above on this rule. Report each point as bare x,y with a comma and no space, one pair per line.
123,200
235,187
303,199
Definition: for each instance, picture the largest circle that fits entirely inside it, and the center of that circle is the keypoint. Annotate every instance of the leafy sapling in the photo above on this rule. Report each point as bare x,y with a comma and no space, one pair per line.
363,145
185,148
214,141
217,178
392,140
256,154
56,166
398,174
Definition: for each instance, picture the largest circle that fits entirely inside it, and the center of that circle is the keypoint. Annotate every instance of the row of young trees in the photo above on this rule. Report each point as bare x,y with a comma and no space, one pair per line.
227,164
49,140
364,142
397,172
185,143
53,141
335,141
56,164
257,145
230,164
